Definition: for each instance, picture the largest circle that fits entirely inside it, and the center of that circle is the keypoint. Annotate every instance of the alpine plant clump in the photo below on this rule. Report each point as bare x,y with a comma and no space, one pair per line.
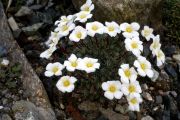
76,28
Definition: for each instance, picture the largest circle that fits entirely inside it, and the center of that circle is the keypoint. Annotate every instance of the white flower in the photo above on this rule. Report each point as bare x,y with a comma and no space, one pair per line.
88,6
64,20
78,34
66,84
54,69
131,88
55,35
72,63
160,57
53,42
134,101
112,89
127,73
147,33
143,67
112,28
134,45
5,62
94,28
130,30
47,54
155,46
89,64
65,29
83,16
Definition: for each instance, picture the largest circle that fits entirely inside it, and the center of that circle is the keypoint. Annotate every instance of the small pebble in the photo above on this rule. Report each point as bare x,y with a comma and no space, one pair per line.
147,96
174,93
159,99
144,87
1,107
147,118
5,62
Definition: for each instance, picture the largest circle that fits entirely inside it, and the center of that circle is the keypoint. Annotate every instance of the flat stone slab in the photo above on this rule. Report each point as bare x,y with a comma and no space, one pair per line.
31,82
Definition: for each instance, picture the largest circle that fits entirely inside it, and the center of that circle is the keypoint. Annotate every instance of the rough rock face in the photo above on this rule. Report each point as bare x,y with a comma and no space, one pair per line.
142,11
31,83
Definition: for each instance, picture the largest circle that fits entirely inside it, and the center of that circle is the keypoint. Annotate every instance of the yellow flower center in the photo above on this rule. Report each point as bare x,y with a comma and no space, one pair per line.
86,9
111,28
94,27
132,88
89,65
159,55
133,101
55,69
64,27
79,35
127,73
65,20
74,64
66,83
82,16
129,29
143,66
155,45
146,32
134,45
112,88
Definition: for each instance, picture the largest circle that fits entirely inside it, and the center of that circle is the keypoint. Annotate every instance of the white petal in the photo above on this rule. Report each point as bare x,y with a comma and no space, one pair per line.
135,26
124,89
123,26
141,72
73,79
48,74
108,95
118,95
58,73
70,88
105,86
149,73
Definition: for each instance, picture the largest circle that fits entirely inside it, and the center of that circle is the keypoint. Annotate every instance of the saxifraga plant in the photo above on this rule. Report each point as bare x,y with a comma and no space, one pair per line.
109,58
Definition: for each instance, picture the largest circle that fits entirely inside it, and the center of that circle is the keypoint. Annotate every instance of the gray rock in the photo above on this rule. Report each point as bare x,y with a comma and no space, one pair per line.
159,99
179,67
166,115
31,30
144,87
24,11
3,51
169,50
88,106
14,27
5,117
60,114
176,57
4,101
170,70
163,75
111,115
147,96
13,24
121,109
143,11
132,115
29,2
155,76
147,118
24,110
174,93
36,7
